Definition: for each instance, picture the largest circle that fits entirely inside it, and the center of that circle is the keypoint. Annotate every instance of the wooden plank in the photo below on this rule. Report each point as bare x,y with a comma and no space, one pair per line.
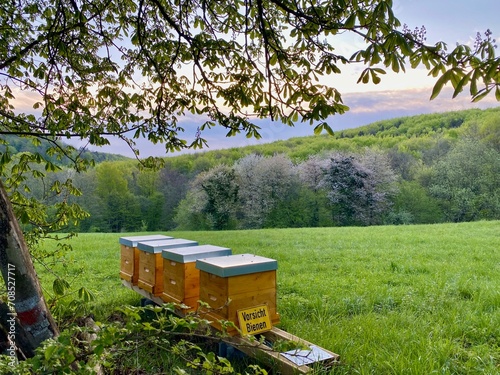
129,263
181,280
266,355
191,302
277,334
252,282
276,360
150,272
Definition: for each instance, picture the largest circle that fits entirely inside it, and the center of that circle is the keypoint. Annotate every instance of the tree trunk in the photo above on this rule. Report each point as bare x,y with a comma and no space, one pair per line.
28,312
14,338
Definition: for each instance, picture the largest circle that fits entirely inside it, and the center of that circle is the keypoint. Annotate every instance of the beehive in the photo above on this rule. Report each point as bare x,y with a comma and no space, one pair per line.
181,278
236,282
151,262
129,255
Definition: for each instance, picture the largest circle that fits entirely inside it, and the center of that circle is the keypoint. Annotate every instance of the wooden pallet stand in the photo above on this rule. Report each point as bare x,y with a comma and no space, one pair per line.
181,278
151,262
129,255
260,351
237,282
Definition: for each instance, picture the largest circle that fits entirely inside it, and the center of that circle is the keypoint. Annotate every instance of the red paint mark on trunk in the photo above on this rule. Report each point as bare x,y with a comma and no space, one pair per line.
29,317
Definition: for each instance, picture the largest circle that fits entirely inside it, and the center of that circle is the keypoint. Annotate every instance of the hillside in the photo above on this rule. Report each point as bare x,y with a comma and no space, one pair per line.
413,134
14,145
401,132
413,170
398,132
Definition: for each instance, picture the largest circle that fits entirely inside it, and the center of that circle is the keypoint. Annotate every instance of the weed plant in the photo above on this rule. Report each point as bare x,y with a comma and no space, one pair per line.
421,299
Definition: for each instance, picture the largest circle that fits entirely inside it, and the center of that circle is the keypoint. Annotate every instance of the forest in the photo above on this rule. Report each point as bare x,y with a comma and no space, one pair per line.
433,168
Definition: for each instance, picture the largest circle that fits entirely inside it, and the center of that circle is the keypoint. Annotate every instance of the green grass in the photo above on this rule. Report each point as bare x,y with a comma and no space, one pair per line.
390,300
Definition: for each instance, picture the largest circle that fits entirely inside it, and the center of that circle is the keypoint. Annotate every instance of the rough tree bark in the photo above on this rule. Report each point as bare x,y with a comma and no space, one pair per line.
33,320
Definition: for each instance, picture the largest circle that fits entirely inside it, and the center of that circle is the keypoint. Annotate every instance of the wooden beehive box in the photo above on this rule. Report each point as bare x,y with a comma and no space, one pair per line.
151,262
181,278
237,282
129,255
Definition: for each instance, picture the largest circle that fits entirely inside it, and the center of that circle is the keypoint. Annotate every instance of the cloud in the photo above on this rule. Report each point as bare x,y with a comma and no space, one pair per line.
415,101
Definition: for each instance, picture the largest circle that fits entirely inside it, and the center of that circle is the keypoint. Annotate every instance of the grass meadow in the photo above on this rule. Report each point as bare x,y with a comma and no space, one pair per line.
421,299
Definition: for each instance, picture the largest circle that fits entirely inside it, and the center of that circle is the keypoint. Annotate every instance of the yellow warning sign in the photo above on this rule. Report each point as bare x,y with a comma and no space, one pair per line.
254,320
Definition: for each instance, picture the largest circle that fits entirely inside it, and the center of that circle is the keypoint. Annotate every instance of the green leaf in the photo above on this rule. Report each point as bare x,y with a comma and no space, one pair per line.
60,286
350,21
274,59
481,94
25,218
364,76
85,295
375,78
460,86
473,84
98,350
328,129
323,126
456,76
49,352
439,84
6,158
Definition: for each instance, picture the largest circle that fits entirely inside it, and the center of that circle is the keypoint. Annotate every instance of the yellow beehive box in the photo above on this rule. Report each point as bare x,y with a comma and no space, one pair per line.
129,255
237,282
181,278
151,262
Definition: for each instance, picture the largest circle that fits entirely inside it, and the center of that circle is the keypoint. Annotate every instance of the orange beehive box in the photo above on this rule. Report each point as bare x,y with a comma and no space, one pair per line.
129,255
237,282
181,278
151,263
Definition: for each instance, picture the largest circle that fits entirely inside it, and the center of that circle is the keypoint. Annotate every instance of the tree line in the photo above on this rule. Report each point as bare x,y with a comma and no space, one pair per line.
448,173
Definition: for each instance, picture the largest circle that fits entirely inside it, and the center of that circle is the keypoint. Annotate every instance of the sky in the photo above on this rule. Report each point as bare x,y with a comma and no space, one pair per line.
398,95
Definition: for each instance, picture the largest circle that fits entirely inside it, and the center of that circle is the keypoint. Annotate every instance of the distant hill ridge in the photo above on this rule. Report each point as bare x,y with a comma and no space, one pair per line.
400,132
409,133
15,145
